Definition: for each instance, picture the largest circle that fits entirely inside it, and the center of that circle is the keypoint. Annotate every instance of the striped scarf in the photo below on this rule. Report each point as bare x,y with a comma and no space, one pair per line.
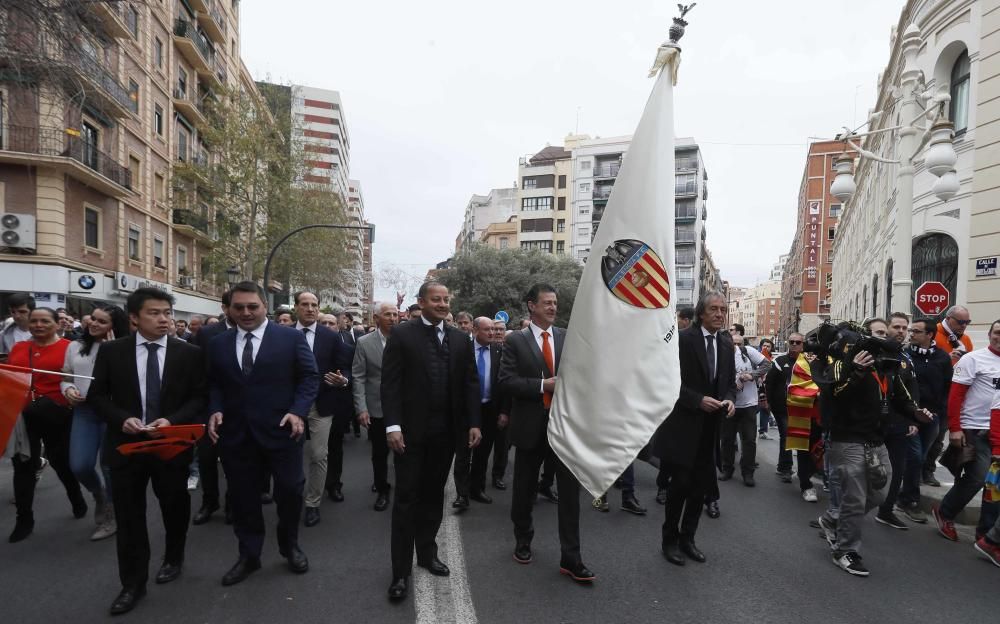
803,406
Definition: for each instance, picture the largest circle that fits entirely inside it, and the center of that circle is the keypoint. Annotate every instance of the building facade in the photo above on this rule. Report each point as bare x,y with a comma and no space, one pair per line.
767,319
501,235
95,107
482,211
543,215
318,119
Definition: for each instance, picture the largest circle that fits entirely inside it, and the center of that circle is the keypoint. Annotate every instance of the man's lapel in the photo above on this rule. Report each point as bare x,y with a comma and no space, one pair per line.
171,366
700,350
133,369
559,337
529,337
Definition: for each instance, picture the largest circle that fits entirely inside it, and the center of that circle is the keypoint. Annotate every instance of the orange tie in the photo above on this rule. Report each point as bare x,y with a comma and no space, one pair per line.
550,363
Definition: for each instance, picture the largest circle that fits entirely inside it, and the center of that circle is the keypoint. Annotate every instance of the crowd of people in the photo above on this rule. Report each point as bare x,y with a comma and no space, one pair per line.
867,411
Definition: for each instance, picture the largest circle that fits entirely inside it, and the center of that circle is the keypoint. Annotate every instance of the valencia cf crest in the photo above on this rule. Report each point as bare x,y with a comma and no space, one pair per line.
635,274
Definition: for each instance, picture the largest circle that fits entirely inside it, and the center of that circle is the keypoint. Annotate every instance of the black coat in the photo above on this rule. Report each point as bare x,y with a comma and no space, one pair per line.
522,370
333,354
678,439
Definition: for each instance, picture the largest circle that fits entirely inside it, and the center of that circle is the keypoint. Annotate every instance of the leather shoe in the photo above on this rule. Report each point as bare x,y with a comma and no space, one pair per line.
336,495
204,514
168,572
499,484
297,561
522,553
725,476
689,549
712,509
127,600
481,497
244,567
399,588
631,504
748,480
673,553
312,516
381,502
578,572
661,496
435,567
549,494
461,502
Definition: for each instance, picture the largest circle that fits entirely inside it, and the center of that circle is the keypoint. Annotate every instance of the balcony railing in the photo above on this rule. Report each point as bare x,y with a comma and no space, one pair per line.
684,236
221,72
690,188
684,258
682,211
685,283
184,28
57,142
602,192
607,170
191,218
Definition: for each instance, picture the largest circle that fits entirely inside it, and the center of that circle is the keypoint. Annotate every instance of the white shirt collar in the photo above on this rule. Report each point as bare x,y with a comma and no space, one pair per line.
481,346
257,333
299,326
537,331
141,340
705,332
440,324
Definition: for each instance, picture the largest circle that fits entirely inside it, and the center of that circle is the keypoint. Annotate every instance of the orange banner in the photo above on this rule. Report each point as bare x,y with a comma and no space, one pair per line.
13,397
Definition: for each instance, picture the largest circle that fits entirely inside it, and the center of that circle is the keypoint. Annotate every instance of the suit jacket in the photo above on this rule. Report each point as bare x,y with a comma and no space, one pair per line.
776,384
366,372
332,355
405,379
522,369
284,380
207,332
115,395
677,441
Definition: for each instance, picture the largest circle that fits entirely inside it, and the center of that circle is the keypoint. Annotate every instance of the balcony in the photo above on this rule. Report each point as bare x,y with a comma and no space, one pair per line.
194,48
66,151
602,193
187,103
686,259
685,212
221,78
686,190
686,164
193,223
213,22
607,170
112,16
684,237
684,283
198,5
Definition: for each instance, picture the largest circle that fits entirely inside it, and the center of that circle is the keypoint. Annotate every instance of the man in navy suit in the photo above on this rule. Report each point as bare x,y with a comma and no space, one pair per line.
263,382
333,359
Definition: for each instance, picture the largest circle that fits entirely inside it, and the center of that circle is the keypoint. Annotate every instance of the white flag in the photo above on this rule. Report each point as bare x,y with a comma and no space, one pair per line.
619,374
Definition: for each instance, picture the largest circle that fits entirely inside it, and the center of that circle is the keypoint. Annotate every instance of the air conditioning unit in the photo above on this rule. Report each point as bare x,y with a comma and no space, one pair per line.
823,302
186,281
18,230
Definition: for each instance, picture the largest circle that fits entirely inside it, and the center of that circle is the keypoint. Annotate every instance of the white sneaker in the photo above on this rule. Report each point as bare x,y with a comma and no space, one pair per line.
106,528
192,483
810,496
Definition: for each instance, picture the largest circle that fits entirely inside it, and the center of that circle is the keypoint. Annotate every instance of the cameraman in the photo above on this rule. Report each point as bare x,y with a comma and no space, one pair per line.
864,388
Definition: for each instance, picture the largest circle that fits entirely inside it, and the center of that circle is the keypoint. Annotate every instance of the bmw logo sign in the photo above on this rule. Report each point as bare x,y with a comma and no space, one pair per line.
86,282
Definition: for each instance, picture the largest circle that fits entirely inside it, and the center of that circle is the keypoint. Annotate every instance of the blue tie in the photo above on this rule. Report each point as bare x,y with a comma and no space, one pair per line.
481,365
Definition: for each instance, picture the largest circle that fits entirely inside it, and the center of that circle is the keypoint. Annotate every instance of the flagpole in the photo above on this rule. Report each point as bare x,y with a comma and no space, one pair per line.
39,370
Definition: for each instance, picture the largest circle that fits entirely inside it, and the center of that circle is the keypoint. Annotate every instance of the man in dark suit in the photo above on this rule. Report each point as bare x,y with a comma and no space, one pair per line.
501,441
470,464
430,400
263,381
686,442
142,382
528,372
341,403
331,360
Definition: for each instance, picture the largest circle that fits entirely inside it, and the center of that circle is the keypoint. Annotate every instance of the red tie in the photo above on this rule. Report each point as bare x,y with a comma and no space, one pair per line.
550,363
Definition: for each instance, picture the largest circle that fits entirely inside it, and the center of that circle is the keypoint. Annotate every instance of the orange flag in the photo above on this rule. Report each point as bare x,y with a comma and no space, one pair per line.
13,397
163,448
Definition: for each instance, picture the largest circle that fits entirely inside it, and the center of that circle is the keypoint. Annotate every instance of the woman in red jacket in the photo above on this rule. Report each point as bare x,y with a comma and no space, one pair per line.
47,418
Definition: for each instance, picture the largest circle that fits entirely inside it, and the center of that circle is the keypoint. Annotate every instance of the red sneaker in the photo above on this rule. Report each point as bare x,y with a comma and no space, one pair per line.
945,527
988,550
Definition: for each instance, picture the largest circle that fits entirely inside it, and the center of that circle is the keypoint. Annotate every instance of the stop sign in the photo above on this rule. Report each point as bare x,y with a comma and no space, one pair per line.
931,298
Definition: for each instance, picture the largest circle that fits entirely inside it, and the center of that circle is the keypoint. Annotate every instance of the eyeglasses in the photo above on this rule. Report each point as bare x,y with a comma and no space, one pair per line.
917,331
958,322
794,342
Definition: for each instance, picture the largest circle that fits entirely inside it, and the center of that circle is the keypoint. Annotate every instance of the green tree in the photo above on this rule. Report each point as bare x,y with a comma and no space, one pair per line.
485,280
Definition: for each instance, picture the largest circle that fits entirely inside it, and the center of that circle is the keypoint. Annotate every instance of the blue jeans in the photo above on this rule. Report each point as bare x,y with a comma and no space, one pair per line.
897,444
628,479
833,479
971,482
763,420
85,438
916,455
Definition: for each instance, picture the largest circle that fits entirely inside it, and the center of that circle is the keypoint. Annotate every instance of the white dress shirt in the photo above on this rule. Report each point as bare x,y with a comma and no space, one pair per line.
485,349
310,335
141,356
536,331
241,336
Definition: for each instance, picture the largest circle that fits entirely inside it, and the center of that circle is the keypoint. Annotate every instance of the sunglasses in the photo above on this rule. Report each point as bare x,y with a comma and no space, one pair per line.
958,322
791,342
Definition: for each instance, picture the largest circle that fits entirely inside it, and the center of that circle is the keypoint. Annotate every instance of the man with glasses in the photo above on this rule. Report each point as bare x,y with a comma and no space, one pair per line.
951,336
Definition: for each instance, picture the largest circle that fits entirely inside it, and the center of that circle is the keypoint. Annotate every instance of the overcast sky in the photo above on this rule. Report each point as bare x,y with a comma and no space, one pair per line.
442,97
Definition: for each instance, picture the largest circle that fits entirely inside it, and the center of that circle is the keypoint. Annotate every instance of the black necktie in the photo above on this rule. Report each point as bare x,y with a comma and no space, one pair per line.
248,354
152,383
710,353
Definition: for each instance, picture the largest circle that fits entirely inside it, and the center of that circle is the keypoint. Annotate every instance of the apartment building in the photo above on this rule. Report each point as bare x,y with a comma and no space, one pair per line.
95,107
354,291
501,235
483,210
543,217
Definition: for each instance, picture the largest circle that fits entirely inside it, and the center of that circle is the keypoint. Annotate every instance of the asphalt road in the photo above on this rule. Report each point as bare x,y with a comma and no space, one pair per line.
764,565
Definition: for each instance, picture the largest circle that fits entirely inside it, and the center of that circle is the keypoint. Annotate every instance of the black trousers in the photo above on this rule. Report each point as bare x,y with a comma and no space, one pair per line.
526,465
128,491
380,455
804,459
687,490
247,465
48,422
470,464
335,451
742,424
548,471
208,468
501,452
417,508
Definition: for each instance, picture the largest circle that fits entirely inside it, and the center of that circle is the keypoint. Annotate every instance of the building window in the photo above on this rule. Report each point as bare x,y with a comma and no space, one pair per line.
158,119
158,252
586,164
561,225
161,188
545,246
91,143
560,247
585,211
182,143
536,225
960,80
888,288
529,183
835,209
536,203
829,256
562,181
182,260
504,243
935,259
132,21
134,236
135,168
830,233
92,227
685,184
561,203
158,52
875,295
133,93
585,187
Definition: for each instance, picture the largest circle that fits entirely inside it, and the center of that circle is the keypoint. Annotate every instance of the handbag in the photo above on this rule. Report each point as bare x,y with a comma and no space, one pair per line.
875,470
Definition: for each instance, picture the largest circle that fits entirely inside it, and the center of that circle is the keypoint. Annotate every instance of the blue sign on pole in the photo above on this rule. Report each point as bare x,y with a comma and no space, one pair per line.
502,316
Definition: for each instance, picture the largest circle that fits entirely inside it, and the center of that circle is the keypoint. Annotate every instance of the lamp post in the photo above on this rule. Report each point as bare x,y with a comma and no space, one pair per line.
915,106
232,275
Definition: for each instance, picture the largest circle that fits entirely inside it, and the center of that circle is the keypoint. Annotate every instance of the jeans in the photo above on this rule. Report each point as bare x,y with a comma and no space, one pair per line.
833,480
857,497
784,456
971,481
85,438
763,420
897,445
742,424
916,455
628,480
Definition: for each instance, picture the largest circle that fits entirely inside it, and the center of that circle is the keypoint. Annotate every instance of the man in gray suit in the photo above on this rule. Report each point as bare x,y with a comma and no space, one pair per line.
367,374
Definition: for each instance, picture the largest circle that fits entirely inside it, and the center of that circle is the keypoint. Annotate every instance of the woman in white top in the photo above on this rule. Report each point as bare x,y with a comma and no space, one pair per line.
87,432
751,366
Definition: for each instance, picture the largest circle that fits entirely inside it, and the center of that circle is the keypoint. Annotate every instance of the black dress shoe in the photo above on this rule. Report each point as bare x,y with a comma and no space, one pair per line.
127,600
435,566
381,502
312,516
549,494
297,561
244,567
461,502
522,553
229,516
748,480
22,529
712,509
204,515
499,484
399,588
631,504
266,498
168,572
336,495
578,572
661,496
689,549
481,497
672,553
726,475
79,507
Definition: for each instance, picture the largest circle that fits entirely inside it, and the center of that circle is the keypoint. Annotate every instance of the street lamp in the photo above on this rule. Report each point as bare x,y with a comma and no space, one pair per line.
940,159
232,275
